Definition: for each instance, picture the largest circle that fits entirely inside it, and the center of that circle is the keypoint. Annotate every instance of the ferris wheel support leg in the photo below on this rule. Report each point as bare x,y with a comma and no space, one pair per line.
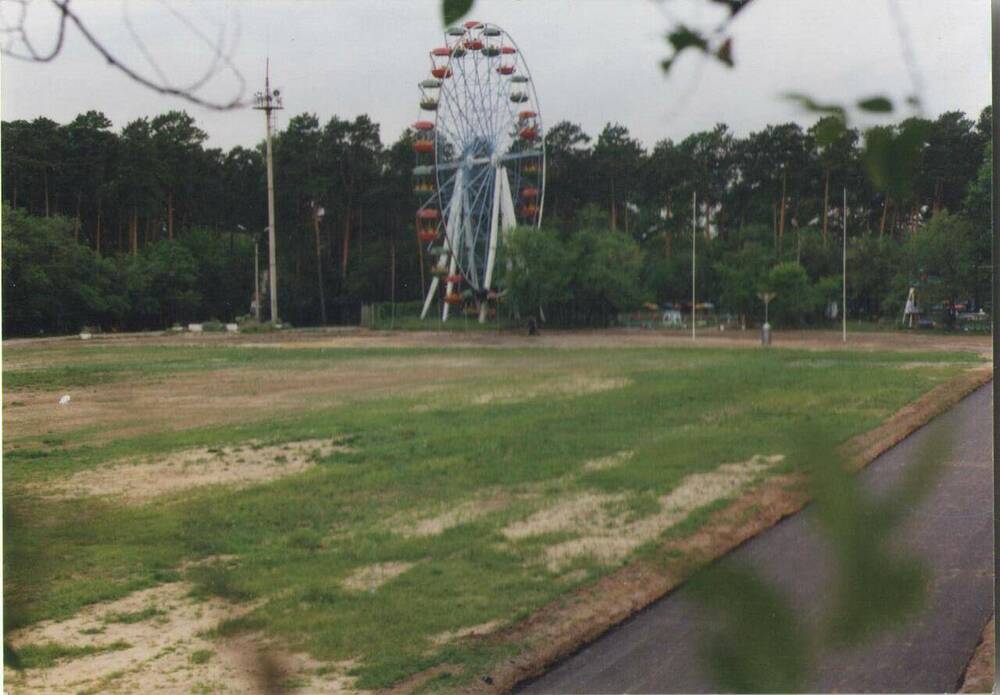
430,296
494,233
452,267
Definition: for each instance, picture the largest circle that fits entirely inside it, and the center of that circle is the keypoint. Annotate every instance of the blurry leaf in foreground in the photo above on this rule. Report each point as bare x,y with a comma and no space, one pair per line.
758,646
725,52
683,37
454,10
876,104
875,586
892,155
734,6
810,104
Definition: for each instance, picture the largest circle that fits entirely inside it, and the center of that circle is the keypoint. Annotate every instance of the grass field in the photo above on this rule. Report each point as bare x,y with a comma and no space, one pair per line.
377,509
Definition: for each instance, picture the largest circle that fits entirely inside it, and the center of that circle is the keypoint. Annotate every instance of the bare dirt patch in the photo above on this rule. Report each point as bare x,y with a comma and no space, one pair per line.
235,466
979,674
169,651
576,385
373,576
480,630
464,513
612,461
137,406
609,536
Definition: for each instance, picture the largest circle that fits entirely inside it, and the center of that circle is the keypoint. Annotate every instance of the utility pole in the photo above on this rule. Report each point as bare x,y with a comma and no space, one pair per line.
844,268
268,101
317,215
694,244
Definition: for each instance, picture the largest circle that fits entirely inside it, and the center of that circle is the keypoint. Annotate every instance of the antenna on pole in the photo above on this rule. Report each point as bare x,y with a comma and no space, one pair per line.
268,101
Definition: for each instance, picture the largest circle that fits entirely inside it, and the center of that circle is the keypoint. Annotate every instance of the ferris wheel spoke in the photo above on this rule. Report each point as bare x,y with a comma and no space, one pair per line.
456,126
476,102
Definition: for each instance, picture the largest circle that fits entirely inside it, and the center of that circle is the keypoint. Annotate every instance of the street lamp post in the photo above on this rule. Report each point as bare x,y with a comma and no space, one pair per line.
765,330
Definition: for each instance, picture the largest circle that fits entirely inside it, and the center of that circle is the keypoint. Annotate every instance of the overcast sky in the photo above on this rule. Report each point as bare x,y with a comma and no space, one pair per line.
593,61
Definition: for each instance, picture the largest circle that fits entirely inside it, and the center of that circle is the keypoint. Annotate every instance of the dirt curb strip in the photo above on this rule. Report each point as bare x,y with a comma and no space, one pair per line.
979,676
560,629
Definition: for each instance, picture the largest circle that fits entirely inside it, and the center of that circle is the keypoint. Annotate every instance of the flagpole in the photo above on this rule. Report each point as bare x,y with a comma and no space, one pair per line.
844,269
694,244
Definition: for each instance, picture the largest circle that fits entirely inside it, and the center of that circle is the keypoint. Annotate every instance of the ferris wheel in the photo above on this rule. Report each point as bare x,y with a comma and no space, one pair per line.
480,162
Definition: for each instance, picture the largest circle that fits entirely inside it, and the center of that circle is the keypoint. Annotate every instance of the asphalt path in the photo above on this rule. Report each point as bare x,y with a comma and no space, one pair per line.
950,530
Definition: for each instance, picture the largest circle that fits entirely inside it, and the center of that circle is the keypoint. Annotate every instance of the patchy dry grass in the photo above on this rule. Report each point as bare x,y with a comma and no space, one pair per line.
158,476
373,576
469,486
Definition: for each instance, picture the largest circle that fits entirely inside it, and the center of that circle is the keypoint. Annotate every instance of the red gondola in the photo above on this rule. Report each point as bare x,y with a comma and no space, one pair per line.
441,73
527,115
529,193
453,298
442,52
529,133
423,146
428,214
529,211
454,279
506,69
423,125
473,24
427,235
474,44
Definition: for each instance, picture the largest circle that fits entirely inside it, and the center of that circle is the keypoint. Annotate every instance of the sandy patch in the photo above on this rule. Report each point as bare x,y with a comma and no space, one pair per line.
480,630
577,385
235,466
613,461
979,674
608,535
462,514
373,576
134,406
168,651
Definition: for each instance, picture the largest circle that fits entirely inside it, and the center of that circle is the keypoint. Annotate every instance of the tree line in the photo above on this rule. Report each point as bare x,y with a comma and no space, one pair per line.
146,226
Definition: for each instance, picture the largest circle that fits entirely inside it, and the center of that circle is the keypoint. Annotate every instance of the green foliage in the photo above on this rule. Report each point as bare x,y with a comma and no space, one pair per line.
779,188
51,283
540,268
794,300
942,256
607,266
740,274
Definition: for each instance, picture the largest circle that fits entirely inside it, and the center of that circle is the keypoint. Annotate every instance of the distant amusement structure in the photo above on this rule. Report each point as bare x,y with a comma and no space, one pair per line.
480,162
